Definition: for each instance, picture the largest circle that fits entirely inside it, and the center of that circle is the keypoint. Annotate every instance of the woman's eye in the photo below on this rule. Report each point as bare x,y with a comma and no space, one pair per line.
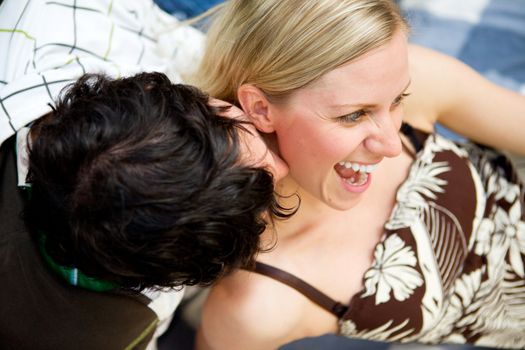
352,117
400,99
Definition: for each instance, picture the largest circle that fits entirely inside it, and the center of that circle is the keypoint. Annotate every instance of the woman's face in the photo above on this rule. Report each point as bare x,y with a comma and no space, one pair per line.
335,132
254,150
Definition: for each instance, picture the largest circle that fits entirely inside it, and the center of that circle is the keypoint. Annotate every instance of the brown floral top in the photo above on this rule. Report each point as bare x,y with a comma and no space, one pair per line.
450,266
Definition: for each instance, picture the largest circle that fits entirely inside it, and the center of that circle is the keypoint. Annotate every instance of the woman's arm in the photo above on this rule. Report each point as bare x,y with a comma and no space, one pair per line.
467,103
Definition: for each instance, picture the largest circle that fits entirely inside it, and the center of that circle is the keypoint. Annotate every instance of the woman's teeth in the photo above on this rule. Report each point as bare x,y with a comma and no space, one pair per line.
359,167
358,179
355,174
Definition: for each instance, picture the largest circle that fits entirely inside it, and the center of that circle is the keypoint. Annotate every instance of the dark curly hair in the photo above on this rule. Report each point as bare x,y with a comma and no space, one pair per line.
137,181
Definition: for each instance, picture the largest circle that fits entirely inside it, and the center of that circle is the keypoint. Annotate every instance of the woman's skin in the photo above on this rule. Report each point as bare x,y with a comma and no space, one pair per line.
254,150
352,114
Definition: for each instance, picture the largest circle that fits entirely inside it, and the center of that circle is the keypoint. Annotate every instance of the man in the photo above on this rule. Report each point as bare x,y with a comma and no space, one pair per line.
131,187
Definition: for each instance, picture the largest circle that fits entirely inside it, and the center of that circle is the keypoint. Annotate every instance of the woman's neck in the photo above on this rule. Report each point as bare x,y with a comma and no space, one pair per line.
310,211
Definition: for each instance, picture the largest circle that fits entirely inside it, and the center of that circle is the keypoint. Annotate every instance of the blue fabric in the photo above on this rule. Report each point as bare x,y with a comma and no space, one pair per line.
487,35
499,61
186,9
334,342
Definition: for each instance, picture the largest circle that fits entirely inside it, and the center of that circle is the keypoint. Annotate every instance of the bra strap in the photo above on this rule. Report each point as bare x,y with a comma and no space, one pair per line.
414,135
312,293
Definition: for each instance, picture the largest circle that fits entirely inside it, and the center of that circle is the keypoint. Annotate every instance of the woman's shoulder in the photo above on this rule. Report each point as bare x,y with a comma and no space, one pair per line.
248,310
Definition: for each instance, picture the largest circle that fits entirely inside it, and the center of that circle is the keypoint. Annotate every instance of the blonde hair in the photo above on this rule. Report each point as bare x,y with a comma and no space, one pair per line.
283,45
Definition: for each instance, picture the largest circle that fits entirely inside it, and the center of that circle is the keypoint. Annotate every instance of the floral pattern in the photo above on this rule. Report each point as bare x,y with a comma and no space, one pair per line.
447,271
393,271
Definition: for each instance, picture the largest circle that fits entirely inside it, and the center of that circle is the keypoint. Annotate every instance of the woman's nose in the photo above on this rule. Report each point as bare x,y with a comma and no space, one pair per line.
384,139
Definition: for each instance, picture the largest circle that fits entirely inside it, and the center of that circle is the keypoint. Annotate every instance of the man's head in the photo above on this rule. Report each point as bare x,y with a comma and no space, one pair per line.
137,181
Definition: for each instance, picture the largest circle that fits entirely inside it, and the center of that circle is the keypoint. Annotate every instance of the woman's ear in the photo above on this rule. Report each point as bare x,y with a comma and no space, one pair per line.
255,104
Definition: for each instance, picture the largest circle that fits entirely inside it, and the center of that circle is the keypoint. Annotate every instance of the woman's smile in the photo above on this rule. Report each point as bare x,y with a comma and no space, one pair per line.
356,177
333,133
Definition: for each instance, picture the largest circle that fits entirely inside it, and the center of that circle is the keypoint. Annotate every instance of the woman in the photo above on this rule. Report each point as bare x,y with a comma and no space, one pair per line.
399,234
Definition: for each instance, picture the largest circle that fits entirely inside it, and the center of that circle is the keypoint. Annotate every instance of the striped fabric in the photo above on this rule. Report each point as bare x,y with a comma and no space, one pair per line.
45,45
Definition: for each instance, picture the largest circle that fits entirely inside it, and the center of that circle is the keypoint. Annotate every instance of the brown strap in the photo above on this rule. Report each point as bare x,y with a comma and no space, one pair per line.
302,287
417,137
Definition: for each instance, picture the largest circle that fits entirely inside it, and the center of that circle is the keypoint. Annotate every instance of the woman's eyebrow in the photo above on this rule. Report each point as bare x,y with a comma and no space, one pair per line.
365,105
407,86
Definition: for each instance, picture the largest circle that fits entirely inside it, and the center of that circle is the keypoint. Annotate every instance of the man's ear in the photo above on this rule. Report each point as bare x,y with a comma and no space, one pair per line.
255,104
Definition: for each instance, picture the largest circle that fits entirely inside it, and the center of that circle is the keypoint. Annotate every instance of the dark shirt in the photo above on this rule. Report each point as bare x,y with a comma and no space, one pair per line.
38,310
